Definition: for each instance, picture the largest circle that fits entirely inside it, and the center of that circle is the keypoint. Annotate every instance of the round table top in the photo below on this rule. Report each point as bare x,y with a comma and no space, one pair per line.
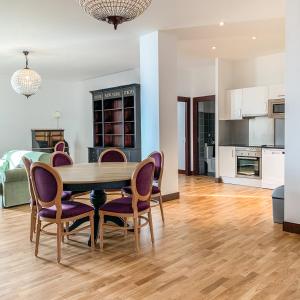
91,173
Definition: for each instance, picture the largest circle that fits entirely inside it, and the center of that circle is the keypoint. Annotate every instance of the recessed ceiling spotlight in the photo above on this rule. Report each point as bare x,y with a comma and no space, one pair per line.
213,48
221,23
254,38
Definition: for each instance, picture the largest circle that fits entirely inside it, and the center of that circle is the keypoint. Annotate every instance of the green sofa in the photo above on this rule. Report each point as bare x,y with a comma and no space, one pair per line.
13,179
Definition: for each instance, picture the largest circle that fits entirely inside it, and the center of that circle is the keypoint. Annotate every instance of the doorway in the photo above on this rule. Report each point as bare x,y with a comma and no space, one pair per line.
184,135
204,135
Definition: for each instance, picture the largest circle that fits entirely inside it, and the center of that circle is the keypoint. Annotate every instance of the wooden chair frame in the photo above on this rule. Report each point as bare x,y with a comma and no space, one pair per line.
159,181
27,163
112,149
136,215
58,220
59,143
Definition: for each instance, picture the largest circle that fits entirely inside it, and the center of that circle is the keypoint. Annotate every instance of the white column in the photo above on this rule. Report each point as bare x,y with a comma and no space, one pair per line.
292,165
158,70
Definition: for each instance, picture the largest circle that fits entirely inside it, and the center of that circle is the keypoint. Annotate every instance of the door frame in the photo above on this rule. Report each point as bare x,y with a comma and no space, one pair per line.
187,102
196,100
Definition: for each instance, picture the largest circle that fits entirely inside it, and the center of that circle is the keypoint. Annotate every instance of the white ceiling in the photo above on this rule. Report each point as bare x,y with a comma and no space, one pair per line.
68,44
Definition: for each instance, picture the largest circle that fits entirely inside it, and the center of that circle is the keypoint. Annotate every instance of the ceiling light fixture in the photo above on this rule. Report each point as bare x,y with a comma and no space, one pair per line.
254,38
221,23
26,81
114,11
214,48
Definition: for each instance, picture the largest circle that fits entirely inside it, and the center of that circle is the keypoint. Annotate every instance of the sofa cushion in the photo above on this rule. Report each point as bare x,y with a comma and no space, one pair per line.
14,157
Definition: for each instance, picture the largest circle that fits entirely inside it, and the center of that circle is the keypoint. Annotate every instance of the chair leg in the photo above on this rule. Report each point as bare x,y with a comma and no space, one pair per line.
136,234
37,238
125,227
151,226
32,224
58,239
67,230
161,208
92,231
62,232
101,231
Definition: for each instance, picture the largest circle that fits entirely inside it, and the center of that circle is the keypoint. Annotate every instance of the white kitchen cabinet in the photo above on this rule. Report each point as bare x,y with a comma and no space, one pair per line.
255,101
276,91
272,168
227,161
235,103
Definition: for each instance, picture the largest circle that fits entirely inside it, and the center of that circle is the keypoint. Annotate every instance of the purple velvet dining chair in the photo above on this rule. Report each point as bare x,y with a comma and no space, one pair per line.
65,196
33,211
112,155
60,146
136,206
158,157
47,186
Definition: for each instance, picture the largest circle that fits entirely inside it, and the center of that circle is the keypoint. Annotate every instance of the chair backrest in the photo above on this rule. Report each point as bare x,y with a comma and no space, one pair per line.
112,155
159,161
27,164
47,186
60,146
59,159
141,181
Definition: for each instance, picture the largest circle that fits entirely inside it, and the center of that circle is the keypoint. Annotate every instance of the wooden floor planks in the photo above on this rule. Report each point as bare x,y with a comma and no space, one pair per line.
219,242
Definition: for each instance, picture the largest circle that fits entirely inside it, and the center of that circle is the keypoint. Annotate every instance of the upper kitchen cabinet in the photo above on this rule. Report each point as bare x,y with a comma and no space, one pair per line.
255,101
235,99
276,91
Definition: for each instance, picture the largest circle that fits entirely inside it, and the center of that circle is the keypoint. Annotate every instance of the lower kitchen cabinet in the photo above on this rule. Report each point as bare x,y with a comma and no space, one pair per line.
272,168
227,161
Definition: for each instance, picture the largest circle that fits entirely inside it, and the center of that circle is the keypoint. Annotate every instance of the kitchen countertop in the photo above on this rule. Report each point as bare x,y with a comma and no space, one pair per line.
251,146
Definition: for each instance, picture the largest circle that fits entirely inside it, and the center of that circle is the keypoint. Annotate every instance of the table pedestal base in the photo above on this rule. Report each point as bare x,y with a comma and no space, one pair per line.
98,198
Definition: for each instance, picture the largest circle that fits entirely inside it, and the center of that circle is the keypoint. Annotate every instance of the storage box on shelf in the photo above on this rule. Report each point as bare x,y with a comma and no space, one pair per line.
117,121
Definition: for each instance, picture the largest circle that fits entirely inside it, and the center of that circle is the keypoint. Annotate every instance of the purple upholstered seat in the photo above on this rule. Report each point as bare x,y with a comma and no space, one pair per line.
112,155
127,190
69,209
66,195
124,206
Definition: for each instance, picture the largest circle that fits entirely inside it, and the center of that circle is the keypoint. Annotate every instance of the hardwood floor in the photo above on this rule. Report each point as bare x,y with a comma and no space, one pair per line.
219,242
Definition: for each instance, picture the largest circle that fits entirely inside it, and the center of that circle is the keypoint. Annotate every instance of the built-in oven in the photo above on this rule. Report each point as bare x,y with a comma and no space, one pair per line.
277,108
248,162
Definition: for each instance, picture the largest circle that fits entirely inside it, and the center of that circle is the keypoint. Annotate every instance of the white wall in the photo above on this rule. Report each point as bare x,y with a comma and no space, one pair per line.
259,71
19,115
158,71
292,161
195,81
181,135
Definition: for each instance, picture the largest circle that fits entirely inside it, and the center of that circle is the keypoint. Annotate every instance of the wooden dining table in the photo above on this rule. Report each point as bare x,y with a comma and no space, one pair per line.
96,178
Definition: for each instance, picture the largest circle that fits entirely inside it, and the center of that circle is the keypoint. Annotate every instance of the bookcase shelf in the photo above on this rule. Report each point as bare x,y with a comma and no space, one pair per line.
116,121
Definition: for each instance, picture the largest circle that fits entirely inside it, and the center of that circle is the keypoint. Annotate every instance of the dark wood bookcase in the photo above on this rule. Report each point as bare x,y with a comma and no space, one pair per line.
44,140
117,121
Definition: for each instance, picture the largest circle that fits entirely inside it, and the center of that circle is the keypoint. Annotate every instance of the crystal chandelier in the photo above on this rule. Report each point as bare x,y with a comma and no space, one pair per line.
26,81
115,11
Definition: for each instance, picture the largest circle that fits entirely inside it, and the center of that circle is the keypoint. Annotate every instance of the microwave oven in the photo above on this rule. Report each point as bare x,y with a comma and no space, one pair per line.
276,108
